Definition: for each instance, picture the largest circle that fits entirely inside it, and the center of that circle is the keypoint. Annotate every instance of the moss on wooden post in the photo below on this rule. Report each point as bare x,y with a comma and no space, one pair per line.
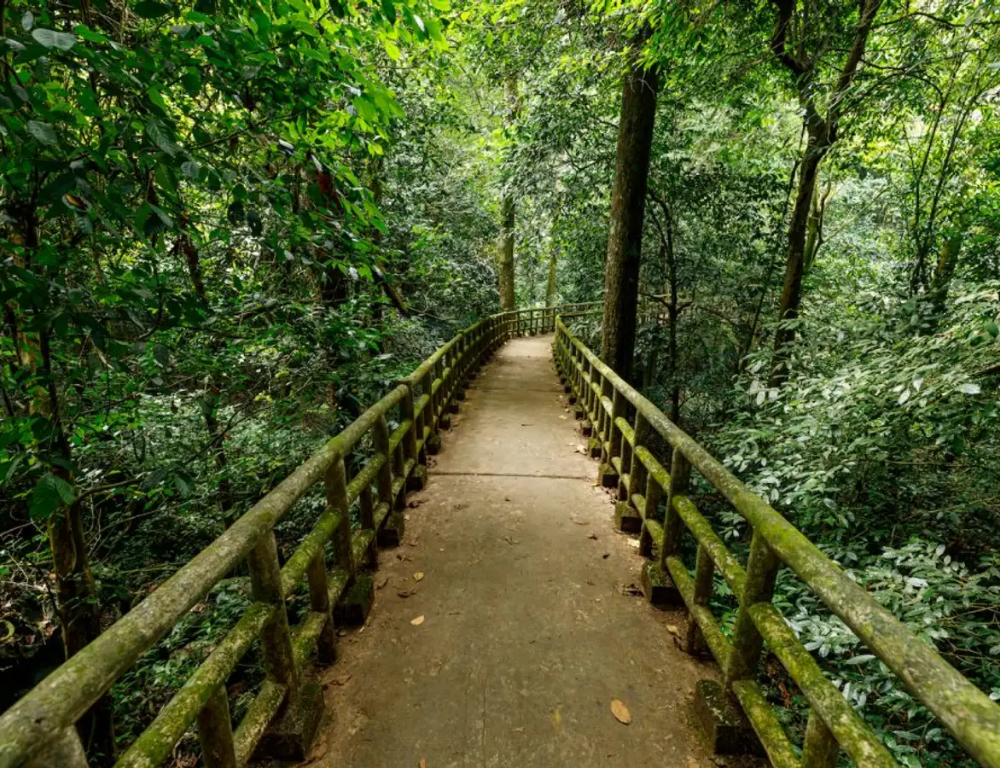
319,602
680,474
762,569
336,498
820,748
275,636
215,731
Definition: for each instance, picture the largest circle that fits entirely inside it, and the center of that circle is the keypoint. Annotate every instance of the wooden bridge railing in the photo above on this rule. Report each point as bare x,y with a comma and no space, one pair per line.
39,729
622,423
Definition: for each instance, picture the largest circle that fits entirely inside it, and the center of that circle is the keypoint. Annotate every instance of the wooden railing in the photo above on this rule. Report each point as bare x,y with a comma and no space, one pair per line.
622,424
39,729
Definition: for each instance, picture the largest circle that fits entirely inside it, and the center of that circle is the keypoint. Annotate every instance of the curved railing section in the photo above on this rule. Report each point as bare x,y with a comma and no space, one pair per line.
621,423
39,729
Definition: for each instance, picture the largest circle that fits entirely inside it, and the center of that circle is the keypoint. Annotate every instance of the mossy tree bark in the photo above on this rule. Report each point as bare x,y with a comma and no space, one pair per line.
508,218
628,200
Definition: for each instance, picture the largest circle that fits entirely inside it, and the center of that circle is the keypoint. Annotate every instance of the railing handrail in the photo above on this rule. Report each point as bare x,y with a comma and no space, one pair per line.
966,711
43,716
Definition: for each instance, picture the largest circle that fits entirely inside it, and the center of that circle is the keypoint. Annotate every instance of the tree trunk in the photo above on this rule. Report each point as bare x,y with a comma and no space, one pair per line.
628,198
76,593
506,271
507,210
798,231
550,286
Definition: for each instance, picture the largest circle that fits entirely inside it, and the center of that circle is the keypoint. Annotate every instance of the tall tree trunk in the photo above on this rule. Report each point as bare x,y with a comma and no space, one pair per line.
506,271
507,211
550,285
628,199
795,253
76,593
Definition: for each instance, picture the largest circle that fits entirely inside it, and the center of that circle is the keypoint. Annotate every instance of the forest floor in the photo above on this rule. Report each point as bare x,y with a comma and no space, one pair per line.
508,620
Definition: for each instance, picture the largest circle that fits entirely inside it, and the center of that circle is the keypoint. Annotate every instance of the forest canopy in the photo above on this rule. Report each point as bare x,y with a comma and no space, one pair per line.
227,227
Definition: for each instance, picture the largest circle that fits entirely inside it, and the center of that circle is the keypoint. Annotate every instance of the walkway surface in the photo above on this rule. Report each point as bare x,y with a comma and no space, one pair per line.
529,628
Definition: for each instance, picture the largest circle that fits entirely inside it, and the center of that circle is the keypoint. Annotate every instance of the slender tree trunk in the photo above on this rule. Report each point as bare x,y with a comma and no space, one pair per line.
795,253
550,285
628,199
507,212
506,271
76,593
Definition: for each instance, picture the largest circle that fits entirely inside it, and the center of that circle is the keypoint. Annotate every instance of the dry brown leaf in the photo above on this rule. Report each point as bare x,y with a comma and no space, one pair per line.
418,576
556,719
620,711
634,543
593,536
406,592
423,762
417,621
382,582
673,630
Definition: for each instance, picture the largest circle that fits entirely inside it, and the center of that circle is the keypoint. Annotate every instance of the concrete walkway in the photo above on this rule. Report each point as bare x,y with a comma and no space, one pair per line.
527,633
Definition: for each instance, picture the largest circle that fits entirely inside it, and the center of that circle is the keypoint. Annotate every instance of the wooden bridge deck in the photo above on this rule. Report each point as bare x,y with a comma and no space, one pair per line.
528,628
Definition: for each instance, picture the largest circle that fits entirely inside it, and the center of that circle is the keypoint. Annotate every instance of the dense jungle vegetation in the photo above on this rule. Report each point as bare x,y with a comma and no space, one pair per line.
226,226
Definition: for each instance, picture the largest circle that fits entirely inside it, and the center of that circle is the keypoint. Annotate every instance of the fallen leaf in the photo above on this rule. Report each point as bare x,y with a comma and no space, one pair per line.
563,416
582,522
382,582
606,555
633,543
620,711
418,576
423,762
556,719
673,630
593,536
341,680
417,621
406,592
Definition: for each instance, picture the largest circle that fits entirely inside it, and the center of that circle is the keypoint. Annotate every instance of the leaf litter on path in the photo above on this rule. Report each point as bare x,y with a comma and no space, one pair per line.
417,621
620,711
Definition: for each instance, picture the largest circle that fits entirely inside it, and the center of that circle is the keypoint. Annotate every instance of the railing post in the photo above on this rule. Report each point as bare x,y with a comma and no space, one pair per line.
336,498
819,748
762,569
380,439
63,749
319,602
275,637
636,469
680,474
215,731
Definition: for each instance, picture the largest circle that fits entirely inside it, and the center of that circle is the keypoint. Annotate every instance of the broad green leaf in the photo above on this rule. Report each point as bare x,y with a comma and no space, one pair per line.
43,132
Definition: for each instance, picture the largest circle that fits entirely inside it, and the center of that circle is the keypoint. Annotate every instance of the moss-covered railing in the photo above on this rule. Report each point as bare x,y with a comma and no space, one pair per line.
622,425
39,729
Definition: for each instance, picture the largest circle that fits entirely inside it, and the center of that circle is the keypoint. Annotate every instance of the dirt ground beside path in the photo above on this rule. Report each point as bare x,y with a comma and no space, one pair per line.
503,626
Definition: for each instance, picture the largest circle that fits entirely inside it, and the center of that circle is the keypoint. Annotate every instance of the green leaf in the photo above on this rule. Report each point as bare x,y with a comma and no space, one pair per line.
157,133
43,132
191,169
48,495
389,9
392,49
191,80
52,39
